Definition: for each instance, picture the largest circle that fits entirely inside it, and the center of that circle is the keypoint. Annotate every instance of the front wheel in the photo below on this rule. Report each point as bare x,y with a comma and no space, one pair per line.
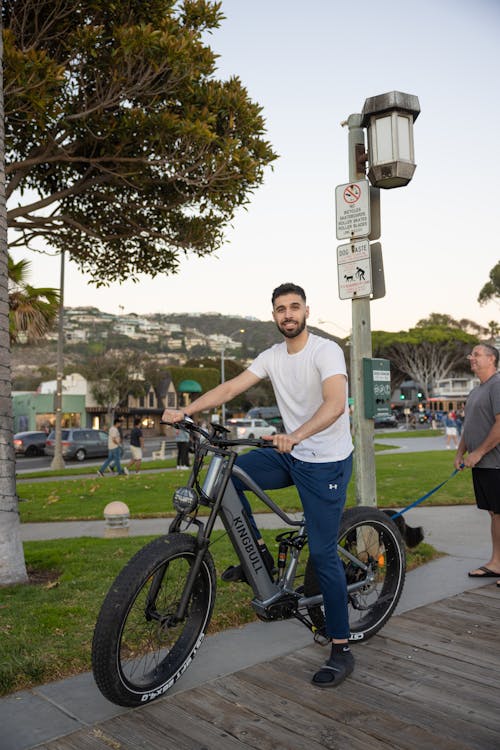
372,538
139,649
80,455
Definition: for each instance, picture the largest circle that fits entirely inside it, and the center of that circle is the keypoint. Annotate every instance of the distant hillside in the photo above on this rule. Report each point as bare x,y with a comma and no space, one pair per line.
31,364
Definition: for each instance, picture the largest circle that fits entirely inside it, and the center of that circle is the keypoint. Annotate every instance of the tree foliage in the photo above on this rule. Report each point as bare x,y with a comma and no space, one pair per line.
113,376
491,290
442,320
122,147
426,354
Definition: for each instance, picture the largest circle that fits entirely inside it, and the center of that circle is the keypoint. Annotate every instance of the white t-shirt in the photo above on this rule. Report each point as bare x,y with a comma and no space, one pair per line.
297,379
114,439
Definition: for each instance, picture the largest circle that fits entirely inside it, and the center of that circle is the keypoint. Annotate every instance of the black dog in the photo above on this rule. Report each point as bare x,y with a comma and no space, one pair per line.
412,535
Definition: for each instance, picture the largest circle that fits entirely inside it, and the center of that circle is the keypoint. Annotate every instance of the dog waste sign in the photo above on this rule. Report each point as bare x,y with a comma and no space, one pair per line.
352,210
354,270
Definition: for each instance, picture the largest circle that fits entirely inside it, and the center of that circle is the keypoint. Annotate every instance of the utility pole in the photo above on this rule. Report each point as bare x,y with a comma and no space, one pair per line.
58,461
361,346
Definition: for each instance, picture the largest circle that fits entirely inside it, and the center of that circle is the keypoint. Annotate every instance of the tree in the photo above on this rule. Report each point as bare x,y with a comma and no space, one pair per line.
491,290
122,147
113,376
32,310
442,320
493,329
426,354
12,565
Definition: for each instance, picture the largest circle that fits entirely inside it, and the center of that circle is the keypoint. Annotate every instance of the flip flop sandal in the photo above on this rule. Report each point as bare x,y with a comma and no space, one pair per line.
487,573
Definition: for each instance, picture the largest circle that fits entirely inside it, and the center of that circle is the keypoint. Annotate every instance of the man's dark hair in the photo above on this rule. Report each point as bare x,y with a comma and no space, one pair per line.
493,351
288,288
137,420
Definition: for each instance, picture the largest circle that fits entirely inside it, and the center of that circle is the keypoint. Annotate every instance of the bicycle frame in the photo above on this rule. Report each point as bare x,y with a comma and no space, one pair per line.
218,489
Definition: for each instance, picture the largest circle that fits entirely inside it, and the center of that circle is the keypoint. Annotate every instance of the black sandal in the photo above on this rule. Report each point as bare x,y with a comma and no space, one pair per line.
334,672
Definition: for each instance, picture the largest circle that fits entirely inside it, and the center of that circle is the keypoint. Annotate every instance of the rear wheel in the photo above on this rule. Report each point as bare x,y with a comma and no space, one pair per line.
139,649
373,539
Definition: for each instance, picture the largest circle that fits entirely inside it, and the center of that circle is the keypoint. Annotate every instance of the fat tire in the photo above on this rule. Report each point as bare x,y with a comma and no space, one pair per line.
371,607
135,657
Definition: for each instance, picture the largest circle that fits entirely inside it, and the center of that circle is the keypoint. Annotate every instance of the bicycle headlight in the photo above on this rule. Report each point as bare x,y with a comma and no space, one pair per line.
185,499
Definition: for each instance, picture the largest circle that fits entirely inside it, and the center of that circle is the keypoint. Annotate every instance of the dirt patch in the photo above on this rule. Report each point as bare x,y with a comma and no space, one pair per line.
41,577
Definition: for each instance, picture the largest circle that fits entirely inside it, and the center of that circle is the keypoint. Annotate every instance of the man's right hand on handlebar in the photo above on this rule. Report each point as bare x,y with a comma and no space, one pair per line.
282,442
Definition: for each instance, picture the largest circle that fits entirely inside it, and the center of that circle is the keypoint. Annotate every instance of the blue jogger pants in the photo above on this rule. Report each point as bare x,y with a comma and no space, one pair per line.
322,488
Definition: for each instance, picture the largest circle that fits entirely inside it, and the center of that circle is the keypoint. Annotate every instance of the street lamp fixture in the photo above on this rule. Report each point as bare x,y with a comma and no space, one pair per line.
389,120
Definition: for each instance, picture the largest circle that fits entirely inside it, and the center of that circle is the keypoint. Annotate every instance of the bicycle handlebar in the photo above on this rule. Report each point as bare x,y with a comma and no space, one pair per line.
219,440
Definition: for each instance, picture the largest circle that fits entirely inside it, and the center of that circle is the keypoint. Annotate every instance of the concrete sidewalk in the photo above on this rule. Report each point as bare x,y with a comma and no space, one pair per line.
30,717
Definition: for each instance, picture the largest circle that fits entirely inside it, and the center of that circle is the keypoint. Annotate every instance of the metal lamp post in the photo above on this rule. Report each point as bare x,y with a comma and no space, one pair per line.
388,119
223,373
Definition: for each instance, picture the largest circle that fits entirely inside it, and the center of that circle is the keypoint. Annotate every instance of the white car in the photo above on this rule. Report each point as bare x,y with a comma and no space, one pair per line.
250,428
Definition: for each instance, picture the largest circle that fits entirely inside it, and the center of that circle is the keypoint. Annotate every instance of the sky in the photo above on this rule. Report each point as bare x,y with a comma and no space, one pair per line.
310,65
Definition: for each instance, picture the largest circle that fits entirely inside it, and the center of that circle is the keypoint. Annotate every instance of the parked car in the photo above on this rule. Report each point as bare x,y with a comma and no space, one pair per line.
388,420
270,414
250,428
30,443
79,443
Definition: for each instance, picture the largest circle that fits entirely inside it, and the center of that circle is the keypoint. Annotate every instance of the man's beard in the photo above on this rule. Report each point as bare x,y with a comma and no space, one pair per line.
295,332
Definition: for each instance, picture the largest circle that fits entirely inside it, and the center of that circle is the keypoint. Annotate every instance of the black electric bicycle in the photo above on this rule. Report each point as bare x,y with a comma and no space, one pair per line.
158,609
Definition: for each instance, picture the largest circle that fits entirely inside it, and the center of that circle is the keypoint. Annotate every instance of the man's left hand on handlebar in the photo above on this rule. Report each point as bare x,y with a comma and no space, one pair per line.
172,415
283,443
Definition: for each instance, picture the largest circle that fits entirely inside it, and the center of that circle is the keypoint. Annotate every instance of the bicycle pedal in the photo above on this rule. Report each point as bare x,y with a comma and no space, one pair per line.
320,638
234,573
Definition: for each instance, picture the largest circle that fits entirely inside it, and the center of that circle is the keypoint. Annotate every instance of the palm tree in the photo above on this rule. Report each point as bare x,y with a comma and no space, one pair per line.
32,310
493,329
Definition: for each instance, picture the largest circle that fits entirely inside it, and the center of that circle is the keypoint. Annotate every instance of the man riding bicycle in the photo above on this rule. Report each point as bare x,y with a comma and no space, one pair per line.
309,379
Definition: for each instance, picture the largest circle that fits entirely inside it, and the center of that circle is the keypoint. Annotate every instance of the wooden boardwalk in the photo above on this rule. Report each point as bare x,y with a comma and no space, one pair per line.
429,681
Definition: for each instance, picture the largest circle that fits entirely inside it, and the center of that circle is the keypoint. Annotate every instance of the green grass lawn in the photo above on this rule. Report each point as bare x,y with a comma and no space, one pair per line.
401,479
46,627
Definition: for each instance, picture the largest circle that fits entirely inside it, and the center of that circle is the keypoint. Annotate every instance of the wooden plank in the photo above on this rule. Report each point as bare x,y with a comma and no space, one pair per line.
439,641
447,733
375,724
428,658
347,705
487,595
431,684
305,720
454,620
241,722
166,727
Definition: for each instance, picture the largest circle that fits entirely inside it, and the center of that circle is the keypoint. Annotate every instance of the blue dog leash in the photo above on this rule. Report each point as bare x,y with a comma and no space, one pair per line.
428,494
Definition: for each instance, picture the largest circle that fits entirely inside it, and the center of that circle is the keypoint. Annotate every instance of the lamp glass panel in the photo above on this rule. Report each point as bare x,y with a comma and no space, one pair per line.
404,137
383,140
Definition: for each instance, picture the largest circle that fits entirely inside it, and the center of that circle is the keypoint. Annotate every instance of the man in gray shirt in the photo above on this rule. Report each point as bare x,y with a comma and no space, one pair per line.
480,440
